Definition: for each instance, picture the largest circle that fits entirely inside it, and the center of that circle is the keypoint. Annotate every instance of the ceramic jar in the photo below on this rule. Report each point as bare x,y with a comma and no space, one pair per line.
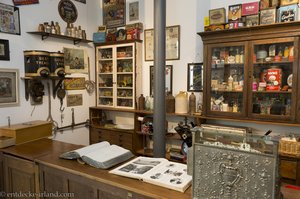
170,103
181,102
192,103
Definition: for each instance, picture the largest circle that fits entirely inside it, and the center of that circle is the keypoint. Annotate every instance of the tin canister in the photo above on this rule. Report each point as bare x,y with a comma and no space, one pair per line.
36,63
57,64
274,78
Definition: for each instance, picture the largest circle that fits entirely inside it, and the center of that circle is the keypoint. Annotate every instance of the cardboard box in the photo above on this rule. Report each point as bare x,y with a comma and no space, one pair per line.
273,78
288,13
250,8
234,12
29,131
288,2
268,16
217,16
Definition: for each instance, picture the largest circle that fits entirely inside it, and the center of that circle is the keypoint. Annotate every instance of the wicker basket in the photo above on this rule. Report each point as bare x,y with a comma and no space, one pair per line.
291,148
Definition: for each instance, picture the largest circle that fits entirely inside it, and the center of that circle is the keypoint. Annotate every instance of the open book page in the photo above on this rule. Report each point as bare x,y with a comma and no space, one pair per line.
107,156
138,167
171,175
84,150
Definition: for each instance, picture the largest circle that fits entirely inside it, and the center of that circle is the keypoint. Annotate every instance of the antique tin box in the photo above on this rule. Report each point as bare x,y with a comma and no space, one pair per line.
268,16
234,12
250,8
217,16
288,13
232,165
288,2
252,20
265,4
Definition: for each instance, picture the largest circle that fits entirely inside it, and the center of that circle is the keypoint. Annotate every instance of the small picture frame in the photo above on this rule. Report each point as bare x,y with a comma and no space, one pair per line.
195,77
76,60
4,50
134,11
172,43
252,20
217,16
9,87
114,13
74,100
169,79
268,16
10,19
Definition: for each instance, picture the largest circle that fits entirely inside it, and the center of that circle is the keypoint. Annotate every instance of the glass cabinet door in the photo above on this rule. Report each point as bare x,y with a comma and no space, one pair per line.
125,76
226,80
105,76
272,81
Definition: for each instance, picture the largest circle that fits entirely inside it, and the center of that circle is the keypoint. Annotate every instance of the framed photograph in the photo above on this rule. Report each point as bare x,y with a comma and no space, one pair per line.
25,2
169,79
75,60
172,43
268,16
134,11
195,77
4,49
10,19
74,100
114,13
9,87
217,16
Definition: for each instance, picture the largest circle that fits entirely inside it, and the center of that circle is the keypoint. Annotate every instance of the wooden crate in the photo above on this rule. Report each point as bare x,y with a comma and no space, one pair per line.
28,131
289,148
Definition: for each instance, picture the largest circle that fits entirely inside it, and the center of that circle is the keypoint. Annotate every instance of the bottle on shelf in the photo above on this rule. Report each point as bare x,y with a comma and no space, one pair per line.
68,30
79,32
170,103
237,56
57,28
53,30
141,104
192,103
47,27
230,83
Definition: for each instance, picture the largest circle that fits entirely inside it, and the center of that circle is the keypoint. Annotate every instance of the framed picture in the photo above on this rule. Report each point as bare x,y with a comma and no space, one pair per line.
134,11
172,43
74,83
25,2
74,100
9,87
114,13
169,77
4,49
10,19
75,60
217,16
195,77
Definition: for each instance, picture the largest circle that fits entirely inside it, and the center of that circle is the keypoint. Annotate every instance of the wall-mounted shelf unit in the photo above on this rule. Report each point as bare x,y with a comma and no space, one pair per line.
45,35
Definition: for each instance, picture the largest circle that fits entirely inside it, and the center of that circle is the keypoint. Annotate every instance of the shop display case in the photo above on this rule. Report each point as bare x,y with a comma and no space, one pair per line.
251,73
118,71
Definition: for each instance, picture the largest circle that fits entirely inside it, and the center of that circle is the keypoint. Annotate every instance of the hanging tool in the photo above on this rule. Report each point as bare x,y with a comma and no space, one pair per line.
73,118
54,123
61,93
89,84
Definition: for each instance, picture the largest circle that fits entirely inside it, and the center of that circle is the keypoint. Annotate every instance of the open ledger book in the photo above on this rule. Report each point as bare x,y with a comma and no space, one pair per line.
158,171
100,155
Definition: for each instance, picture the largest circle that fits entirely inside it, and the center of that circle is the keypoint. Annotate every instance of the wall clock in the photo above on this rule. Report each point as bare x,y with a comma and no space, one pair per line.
67,11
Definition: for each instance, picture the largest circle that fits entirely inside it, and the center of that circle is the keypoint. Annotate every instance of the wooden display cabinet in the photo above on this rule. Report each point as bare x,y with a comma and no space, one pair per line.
1,173
118,74
252,73
290,169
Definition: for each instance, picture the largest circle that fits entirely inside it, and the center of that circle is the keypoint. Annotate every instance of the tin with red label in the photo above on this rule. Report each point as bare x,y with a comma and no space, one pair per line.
250,8
274,77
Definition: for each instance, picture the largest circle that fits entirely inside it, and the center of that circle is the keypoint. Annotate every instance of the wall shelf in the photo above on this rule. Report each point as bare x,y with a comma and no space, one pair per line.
45,35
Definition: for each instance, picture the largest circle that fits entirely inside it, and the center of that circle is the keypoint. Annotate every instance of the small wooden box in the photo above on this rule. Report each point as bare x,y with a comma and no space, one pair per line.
28,131
6,141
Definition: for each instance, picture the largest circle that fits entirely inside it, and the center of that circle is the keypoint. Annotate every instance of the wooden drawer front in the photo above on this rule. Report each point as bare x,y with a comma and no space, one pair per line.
125,140
288,169
104,135
94,136
19,175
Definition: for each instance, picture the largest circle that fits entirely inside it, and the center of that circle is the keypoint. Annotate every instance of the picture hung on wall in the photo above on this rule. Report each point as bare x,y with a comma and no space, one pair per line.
9,87
74,100
195,77
67,11
4,49
172,43
81,1
10,19
114,13
169,81
75,60
134,11
25,2
75,83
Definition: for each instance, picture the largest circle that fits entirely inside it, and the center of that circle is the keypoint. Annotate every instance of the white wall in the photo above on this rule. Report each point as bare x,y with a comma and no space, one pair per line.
30,17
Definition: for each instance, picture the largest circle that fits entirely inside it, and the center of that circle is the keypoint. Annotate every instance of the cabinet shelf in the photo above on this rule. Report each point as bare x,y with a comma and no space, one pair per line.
45,35
269,92
273,62
224,91
124,58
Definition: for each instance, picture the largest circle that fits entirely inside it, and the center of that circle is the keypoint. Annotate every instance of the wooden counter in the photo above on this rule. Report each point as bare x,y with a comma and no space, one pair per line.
36,167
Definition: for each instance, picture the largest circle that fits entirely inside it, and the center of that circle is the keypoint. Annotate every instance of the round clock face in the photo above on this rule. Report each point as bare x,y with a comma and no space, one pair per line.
67,11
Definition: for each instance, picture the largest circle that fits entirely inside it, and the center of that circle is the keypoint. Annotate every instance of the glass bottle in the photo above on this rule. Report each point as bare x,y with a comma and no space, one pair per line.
68,30
141,100
237,56
235,107
242,57
47,27
192,103
53,30
79,32
57,28
230,83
